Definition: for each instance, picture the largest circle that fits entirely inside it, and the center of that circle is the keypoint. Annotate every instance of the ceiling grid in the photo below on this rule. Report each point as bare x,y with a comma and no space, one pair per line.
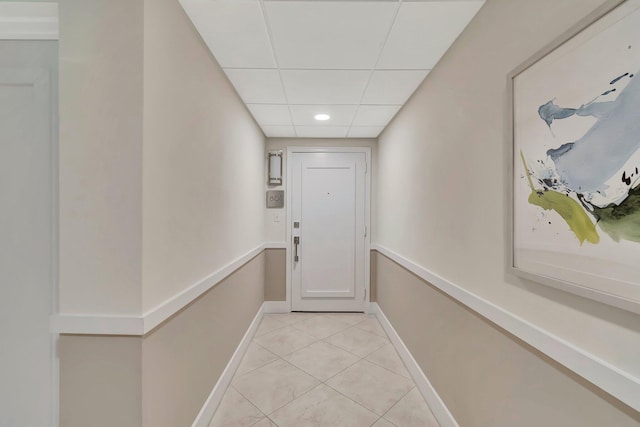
356,60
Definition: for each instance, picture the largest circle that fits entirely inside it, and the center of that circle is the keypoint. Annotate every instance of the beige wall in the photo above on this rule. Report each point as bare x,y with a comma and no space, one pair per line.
161,164
203,160
485,376
100,156
441,198
163,378
100,381
373,268
183,358
277,231
275,275
162,184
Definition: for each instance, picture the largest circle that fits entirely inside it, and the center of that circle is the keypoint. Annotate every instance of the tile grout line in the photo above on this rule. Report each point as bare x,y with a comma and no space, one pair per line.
323,382
258,367
403,396
246,398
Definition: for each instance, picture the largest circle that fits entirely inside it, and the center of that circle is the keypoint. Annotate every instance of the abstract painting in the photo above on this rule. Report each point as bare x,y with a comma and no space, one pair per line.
576,161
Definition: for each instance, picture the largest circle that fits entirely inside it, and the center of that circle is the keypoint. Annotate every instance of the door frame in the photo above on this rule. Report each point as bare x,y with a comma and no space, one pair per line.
367,215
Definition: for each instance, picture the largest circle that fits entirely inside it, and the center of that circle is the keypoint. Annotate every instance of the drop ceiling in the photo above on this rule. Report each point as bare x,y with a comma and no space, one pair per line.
356,60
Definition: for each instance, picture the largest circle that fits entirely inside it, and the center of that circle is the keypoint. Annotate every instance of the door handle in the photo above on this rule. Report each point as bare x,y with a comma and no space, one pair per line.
296,242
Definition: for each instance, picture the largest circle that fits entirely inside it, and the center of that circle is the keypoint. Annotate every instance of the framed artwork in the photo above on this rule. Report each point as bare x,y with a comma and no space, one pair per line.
575,160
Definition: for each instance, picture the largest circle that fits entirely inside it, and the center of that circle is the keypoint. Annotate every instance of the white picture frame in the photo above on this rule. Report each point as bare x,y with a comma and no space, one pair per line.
573,186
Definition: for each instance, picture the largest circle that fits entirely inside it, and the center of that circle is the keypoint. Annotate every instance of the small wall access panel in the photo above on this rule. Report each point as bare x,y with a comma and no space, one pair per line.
275,199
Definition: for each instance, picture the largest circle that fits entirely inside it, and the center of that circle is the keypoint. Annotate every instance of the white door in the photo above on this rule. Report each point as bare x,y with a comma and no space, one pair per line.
28,128
327,226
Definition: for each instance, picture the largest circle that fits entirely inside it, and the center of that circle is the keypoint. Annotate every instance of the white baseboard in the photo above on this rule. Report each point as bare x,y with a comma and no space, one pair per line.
439,409
620,384
276,307
215,397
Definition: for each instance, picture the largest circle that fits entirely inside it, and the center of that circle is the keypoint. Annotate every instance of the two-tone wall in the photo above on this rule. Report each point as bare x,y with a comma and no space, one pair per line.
162,196
275,220
441,211
161,216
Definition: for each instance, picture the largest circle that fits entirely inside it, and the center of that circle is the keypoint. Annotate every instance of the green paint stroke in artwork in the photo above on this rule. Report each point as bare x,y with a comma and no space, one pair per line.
621,221
570,210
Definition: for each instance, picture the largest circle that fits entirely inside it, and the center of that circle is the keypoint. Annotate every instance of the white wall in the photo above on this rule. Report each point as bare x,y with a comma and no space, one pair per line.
161,164
276,231
441,198
100,156
203,160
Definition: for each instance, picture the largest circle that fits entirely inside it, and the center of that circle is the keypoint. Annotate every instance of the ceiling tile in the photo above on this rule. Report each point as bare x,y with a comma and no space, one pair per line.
322,131
279,131
234,31
269,114
329,34
393,87
375,115
423,31
257,86
365,131
324,86
341,115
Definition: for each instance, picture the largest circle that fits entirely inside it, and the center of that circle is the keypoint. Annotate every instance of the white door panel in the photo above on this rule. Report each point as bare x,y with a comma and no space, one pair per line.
328,204
328,218
27,264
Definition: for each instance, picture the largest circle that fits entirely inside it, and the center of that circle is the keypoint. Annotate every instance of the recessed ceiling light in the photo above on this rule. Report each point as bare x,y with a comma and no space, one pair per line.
322,117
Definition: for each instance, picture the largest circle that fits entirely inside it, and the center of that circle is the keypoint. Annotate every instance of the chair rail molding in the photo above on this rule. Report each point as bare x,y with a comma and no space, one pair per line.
620,384
138,325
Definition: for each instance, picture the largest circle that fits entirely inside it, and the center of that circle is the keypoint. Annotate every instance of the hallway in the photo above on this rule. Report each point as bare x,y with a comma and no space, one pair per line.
173,173
320,369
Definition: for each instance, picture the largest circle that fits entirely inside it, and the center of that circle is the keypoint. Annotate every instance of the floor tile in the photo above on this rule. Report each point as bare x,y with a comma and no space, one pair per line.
373,387
357,341
291,318
387,357
350,318
269,324
235,411
322,360
321,326
273,385
372,325
265,422
412,411
255,357
323,407
383,423
284,341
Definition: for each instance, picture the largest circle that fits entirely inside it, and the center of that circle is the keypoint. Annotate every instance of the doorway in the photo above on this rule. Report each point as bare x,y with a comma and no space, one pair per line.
328,220
28,231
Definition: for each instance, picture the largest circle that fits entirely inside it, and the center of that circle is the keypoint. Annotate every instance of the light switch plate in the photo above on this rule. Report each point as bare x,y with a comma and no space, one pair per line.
275,199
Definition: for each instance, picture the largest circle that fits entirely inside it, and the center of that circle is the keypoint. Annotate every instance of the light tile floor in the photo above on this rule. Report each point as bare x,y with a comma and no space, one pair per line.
322,369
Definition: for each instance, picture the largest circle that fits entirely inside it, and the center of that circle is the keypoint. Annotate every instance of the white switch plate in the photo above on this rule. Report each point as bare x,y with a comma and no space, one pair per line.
276,218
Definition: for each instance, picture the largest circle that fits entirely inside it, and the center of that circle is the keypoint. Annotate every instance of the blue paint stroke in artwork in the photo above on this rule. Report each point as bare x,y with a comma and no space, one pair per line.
556,153
605,148
550,111
614,81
